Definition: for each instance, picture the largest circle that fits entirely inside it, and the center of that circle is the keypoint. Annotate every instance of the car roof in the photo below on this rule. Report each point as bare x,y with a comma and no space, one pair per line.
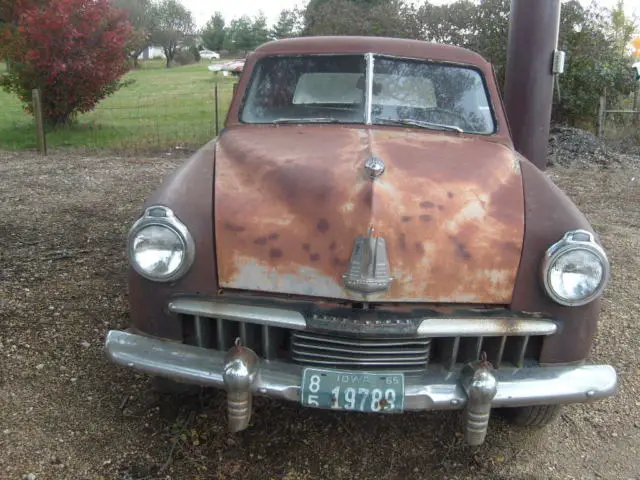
399,47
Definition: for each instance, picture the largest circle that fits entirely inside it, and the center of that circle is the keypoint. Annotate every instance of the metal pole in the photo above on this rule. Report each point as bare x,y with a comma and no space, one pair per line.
37,113
528,90
215,97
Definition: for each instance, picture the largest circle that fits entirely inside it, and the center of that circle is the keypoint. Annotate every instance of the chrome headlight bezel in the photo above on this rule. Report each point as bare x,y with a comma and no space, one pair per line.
159,215
571,241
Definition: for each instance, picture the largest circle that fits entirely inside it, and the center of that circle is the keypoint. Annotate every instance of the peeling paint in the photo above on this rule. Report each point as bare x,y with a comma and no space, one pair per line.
449,207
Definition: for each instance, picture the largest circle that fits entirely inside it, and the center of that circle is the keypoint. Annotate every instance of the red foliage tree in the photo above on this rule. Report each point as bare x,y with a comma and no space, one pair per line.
73,50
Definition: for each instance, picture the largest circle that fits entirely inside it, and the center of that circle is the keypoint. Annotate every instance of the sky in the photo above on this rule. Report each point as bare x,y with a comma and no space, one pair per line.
202,10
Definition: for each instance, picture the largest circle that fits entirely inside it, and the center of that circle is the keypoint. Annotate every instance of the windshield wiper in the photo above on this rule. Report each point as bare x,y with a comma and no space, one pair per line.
307,120
418,123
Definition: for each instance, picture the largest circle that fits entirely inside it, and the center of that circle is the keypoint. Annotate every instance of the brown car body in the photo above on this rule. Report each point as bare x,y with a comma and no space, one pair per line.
381,264
467,228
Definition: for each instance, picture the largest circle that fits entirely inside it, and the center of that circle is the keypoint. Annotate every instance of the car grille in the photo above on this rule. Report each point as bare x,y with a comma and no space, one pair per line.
388,353
384,353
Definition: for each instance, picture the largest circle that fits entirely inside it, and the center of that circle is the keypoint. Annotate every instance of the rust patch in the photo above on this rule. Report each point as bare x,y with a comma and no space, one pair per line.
338,263
234,227
402,241
461,249
322,225
424,172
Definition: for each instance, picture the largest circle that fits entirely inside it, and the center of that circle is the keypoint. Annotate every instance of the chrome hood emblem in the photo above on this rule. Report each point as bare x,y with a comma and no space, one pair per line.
373,167
369,266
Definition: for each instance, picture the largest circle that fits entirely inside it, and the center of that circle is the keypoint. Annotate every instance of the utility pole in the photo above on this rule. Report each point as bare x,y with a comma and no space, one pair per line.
528,92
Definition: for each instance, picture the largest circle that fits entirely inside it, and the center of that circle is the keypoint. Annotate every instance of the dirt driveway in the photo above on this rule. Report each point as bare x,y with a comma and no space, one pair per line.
65,412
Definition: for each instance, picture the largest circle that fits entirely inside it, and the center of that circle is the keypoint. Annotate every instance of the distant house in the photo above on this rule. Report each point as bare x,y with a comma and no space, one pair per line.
152,51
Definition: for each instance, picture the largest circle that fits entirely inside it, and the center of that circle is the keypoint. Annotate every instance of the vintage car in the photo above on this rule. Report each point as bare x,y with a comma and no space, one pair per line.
363,236
234,67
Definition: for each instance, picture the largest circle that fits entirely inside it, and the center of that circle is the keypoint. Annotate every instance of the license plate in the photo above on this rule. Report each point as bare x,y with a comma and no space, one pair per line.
357,391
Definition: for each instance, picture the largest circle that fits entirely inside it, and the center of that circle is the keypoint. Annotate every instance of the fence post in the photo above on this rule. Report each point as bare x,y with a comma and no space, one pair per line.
636,105
602,115
37,113
215,108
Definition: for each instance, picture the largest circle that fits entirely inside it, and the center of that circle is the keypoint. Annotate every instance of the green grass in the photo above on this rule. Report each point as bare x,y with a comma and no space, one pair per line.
164,108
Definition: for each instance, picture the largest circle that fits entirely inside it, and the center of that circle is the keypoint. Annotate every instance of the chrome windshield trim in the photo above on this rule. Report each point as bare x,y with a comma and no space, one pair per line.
272,317
369,94
487,327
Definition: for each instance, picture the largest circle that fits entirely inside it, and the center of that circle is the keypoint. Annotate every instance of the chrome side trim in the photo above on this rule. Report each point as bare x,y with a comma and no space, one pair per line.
272,317
485,326
436,389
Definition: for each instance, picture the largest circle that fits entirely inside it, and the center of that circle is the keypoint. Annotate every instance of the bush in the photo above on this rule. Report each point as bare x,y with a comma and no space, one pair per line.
72,50
184,57
195,52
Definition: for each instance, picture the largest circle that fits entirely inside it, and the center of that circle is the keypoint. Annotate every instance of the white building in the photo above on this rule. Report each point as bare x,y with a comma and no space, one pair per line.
152,51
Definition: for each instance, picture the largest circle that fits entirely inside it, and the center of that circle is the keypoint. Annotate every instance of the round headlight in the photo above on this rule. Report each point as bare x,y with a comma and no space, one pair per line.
575,270
160,247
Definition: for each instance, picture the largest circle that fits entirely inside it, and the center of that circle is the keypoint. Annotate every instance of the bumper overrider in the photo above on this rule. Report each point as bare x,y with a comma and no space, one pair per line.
477,387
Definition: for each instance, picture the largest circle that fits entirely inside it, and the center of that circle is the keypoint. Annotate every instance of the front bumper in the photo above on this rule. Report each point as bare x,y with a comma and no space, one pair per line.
436,389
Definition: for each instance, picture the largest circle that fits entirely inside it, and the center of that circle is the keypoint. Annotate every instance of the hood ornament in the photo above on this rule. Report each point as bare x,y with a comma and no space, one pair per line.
369,266
373,167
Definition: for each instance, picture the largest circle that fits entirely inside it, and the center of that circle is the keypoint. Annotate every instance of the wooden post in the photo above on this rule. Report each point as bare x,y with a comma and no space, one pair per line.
601,115
528,87
636,105
215,112
37,113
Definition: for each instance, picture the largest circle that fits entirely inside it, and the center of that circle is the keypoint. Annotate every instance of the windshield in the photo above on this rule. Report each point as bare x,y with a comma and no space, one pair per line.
333,89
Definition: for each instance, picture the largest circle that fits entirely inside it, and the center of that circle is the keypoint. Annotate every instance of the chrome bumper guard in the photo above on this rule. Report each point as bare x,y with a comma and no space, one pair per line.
477,387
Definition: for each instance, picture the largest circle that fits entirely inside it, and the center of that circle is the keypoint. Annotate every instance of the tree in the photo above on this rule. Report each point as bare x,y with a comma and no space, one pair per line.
10,11
173,27
245,34
356,17
239,35
141,16
288,24
596,62
213,33
72,50
259,30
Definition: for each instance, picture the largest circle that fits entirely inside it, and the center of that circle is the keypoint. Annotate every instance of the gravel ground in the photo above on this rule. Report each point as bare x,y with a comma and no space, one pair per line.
66,413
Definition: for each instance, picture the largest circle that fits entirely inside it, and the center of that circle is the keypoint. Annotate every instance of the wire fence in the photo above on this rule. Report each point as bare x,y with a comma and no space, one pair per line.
621,121
144,122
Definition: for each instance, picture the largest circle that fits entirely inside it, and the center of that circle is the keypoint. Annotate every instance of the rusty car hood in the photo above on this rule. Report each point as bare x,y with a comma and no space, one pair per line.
291,200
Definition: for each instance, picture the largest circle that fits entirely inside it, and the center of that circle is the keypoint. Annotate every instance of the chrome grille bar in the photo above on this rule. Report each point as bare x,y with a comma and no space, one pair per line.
312,348
277,334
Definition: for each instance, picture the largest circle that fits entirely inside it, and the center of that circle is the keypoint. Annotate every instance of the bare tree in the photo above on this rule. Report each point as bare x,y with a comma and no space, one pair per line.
173,27
141,16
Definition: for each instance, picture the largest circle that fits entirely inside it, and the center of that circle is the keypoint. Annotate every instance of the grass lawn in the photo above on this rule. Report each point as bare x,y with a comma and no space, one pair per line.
163,108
